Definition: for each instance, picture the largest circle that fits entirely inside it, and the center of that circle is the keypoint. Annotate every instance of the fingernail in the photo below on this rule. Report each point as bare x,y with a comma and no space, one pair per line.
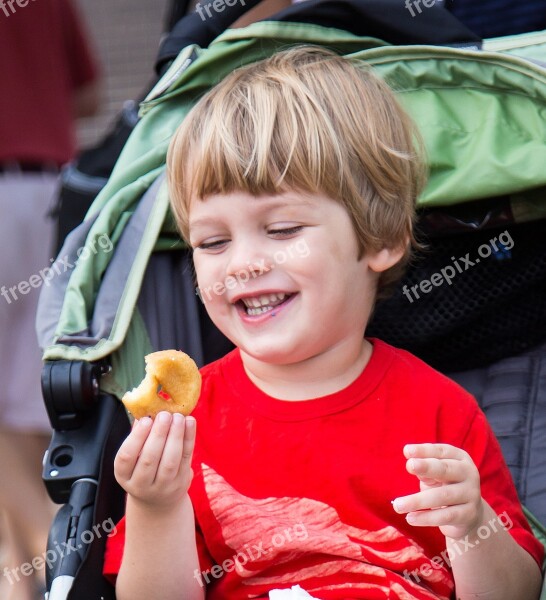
145,421
409,449
178,419
411,464
164,417
190,422
411,518
397,504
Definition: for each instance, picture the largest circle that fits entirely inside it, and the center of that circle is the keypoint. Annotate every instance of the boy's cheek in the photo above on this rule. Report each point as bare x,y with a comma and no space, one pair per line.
230,283
302,249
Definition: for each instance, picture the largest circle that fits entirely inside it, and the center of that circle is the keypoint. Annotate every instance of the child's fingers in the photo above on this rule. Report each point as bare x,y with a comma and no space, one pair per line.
434,451
445,470
148,462
189,442
454,516
171,458
127,455
438,497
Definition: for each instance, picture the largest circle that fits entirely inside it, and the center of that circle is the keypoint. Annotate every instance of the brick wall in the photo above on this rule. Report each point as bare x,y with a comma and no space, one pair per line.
126,35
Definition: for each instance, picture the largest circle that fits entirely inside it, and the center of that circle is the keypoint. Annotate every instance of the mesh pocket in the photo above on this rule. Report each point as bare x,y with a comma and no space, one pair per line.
492,307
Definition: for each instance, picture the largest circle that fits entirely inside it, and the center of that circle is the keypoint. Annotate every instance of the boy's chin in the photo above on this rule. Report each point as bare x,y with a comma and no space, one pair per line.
273,355
266,355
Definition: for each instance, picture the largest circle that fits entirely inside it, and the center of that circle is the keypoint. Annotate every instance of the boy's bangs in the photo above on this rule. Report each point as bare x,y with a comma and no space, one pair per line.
259,138
306,120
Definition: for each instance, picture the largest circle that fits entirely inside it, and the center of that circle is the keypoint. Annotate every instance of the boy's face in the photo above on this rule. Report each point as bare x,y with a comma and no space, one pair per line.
294,253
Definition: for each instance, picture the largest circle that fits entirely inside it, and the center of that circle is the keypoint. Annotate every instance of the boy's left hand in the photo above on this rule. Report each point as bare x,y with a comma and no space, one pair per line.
450,496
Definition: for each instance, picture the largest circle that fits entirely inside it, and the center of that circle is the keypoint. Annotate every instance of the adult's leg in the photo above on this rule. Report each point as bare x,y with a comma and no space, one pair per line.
28,512
24,429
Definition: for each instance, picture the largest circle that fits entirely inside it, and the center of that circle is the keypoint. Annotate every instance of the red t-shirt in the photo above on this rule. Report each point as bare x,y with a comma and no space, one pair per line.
290,493
44,57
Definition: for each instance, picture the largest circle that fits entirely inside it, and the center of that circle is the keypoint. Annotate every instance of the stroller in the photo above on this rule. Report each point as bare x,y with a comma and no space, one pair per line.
130,288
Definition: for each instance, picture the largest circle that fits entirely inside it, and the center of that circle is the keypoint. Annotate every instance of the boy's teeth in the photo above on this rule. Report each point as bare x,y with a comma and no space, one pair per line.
258,311
264,300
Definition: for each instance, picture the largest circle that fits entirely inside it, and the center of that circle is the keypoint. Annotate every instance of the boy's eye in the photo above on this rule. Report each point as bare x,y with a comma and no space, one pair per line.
219,244
288,231
209,245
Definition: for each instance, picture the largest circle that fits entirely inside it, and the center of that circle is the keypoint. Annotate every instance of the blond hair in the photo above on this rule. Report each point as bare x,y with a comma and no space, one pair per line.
305,119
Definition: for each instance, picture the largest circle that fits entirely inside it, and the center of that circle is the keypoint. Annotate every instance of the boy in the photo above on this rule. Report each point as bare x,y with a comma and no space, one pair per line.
323,458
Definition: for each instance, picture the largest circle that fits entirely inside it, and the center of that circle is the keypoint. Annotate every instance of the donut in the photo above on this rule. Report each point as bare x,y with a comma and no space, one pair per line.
172,384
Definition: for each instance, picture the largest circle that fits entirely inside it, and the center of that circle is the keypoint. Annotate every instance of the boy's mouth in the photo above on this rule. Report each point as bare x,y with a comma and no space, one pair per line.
258,305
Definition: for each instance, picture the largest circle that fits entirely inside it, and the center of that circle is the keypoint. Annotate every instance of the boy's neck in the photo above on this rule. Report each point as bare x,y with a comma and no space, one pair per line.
317,376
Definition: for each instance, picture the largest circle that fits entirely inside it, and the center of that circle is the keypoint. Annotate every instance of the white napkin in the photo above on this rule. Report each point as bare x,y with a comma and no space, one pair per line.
294,593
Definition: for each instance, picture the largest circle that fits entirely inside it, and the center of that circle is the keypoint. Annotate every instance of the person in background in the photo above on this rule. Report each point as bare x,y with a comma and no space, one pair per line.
49,78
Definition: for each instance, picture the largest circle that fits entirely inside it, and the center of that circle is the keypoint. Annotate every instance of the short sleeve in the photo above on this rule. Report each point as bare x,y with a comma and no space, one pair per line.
114,552
116,542
206,561
497,486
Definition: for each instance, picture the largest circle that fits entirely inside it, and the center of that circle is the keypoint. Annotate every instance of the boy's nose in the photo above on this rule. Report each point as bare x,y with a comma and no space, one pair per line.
248,261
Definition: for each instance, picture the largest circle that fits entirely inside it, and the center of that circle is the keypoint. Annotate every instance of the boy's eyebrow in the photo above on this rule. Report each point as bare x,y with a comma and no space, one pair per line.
205,221
287,202
266,205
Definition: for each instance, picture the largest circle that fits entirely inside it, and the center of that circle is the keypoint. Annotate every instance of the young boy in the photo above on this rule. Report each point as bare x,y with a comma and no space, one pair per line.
322,459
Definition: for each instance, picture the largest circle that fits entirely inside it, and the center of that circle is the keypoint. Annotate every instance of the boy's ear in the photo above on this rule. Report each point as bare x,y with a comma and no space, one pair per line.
384,259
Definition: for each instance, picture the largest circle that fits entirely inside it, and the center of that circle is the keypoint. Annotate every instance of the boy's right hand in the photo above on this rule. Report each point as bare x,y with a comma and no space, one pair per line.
153,465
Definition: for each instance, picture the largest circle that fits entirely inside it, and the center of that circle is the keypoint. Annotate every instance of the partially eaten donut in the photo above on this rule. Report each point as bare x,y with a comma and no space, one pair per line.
172,384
